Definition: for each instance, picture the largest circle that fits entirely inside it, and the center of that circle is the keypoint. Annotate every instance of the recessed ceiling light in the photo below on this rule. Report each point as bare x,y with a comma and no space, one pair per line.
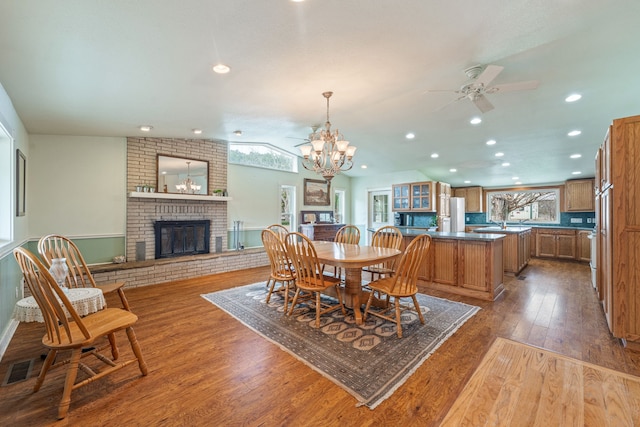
453,170
576,173
363,167
237,132
475,121
467,182
575,156
410,135
506,164
574,133
221,68
515,178
499,154
573,97
435,155
197,131
517,183
491,142
146,128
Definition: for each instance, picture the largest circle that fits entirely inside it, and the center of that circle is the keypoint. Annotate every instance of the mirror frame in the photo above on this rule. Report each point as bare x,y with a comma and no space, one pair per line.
161,178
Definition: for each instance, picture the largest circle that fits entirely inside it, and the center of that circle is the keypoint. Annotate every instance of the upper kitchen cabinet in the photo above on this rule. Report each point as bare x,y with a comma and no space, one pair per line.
443,196
472,198
401,197
423,197
579,195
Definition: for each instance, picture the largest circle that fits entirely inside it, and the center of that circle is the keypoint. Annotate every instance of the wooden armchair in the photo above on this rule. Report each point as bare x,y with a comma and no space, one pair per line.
281,270
66,330
280,230
347,234
403,283
385,237
309,275
56,246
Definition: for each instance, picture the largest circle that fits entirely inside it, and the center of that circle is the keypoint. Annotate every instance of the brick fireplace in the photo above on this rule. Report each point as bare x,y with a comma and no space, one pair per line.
142,213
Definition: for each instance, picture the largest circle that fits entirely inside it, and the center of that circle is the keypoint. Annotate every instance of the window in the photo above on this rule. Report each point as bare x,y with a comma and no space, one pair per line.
288,206
338,206
7,185
262,156
535,205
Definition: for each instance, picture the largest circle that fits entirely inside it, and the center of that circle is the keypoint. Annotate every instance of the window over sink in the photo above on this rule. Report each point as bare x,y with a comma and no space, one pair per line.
540,206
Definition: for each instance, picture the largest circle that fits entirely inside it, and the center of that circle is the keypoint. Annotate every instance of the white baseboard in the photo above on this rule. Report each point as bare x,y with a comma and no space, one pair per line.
6,337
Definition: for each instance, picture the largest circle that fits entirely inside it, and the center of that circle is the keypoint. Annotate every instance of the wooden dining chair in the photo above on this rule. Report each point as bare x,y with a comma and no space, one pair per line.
56,246
387,236
280,230
346,234
309,275
66,330
281,269
402,284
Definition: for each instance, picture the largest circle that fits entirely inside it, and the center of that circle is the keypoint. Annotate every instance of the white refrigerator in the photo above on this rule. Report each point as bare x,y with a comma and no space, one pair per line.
457,215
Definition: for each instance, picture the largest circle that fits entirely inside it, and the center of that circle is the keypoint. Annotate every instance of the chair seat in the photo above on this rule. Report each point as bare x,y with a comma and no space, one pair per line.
385,285
98,324
111,287
311,284
378,269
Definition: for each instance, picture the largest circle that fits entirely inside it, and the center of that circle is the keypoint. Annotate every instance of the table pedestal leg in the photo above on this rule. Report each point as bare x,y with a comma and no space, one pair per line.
353,289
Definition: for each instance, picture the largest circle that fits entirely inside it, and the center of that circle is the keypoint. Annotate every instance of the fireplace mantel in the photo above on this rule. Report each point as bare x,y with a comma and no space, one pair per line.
175,196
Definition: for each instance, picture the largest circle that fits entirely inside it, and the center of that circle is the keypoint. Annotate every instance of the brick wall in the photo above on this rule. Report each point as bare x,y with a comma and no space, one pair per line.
143,212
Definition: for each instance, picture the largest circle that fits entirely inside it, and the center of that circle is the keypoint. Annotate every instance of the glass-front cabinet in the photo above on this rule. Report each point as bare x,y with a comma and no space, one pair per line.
401,197
422,196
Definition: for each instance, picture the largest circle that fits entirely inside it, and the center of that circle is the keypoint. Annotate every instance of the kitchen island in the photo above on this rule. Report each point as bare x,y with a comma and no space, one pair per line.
517,244
467,264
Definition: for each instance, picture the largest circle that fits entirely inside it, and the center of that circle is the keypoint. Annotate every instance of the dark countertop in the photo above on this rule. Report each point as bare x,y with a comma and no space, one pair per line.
536,226
416,231
497,229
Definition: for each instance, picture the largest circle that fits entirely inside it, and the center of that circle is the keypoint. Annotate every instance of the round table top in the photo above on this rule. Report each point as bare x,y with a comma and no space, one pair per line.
84,301
352,256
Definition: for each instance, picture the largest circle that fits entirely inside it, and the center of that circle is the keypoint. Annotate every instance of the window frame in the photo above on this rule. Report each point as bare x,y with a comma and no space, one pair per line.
263,145
510,190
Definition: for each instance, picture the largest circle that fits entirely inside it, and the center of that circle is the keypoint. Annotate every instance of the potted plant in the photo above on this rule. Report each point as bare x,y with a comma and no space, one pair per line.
434,224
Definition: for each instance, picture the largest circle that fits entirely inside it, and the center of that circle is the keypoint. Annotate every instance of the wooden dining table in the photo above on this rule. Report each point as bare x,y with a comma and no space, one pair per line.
352,258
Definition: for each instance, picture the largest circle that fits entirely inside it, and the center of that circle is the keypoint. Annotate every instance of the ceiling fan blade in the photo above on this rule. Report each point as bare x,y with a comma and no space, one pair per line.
510,87
488,74
449,103
439,90
483,103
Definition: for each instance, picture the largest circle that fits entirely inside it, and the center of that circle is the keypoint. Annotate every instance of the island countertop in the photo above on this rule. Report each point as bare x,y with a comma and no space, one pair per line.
415,231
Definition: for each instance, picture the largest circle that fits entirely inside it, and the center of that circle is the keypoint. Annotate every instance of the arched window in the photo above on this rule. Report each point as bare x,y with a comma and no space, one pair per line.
262,156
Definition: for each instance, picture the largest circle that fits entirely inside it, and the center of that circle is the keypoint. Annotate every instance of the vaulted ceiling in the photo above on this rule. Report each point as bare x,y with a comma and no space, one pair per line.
103,68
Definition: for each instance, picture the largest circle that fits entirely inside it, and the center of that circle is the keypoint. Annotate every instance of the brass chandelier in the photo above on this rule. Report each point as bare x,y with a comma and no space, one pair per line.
329,154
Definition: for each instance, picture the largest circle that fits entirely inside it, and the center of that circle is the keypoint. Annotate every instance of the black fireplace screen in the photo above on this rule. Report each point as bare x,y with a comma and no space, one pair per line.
180,238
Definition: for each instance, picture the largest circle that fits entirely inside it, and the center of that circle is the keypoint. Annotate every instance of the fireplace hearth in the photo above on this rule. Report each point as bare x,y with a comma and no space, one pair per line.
181,238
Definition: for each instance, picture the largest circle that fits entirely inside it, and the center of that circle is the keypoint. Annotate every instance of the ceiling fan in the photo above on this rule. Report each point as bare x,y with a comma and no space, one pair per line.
314,128
478,86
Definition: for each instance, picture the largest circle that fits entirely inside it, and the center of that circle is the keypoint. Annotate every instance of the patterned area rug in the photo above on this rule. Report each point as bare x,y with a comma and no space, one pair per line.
369,361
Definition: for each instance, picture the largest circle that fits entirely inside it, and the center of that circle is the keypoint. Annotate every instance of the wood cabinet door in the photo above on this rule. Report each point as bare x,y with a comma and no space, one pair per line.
545,244
400,197
444,267
579,195
583,246
566,246
422,197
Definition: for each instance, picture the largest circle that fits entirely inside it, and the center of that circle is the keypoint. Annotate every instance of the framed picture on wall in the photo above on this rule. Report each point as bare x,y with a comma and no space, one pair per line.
316,192
21,185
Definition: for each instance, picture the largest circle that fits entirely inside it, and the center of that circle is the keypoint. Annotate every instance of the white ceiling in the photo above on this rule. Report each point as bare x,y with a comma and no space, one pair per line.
102,68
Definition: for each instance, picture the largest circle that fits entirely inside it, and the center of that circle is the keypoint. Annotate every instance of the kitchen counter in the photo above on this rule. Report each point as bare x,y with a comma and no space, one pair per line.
469,264
415,231
517,246
497,229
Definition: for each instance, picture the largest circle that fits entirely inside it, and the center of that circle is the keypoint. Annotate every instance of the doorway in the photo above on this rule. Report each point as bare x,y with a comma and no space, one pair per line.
288,206
379,209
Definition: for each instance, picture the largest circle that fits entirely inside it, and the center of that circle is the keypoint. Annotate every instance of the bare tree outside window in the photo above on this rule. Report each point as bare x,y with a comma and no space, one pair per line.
527,205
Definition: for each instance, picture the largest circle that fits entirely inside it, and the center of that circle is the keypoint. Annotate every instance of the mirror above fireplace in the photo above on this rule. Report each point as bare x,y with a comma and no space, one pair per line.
179,175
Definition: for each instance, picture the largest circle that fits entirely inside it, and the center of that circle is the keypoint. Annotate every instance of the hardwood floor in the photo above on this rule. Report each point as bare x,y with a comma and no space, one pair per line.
205,368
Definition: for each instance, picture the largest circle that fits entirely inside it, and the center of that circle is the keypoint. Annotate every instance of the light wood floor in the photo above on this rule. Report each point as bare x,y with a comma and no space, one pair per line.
205,368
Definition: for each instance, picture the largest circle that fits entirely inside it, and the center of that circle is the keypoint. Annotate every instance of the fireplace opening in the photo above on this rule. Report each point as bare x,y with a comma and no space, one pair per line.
181,238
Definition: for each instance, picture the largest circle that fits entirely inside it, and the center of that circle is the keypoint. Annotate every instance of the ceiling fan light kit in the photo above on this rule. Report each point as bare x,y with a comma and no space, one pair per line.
478,85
